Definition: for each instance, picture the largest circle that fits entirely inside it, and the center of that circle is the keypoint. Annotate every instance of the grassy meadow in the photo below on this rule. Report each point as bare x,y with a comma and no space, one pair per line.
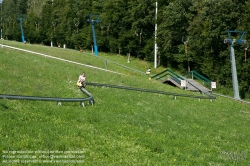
123,127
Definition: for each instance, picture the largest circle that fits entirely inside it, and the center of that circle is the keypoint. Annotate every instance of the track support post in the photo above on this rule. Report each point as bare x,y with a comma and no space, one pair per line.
82,104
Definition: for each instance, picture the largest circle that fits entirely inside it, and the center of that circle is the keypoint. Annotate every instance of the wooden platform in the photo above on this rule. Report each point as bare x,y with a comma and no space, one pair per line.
191,85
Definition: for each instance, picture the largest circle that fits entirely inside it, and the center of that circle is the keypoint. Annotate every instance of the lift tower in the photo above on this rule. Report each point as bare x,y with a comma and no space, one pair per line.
21,18
233,41
92,18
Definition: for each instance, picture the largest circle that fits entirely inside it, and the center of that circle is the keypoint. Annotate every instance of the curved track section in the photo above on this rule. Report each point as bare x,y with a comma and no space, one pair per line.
58,100
152,91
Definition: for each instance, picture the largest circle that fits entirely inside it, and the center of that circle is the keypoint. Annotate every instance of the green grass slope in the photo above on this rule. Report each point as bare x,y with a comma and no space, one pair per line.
123,127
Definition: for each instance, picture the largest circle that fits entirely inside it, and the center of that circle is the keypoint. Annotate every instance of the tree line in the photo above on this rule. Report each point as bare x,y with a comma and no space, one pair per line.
190,33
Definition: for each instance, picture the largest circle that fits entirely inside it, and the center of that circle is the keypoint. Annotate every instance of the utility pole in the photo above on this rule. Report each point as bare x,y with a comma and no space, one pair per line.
232,56
37,25
246,52
139,35
53,24
155,48
186,51
1,1
106,28
76,23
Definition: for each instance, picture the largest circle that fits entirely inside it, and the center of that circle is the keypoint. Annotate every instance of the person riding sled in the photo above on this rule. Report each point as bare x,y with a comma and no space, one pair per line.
81,81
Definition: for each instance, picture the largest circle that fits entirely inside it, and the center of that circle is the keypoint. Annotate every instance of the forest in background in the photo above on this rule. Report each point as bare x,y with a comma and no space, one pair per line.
190,33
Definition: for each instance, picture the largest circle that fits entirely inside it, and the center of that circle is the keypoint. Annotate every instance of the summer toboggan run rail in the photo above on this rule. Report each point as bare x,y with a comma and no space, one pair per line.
153,91
58,100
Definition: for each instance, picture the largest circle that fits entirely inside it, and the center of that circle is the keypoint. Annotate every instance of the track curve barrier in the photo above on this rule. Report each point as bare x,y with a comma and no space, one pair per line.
58,100
152,91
